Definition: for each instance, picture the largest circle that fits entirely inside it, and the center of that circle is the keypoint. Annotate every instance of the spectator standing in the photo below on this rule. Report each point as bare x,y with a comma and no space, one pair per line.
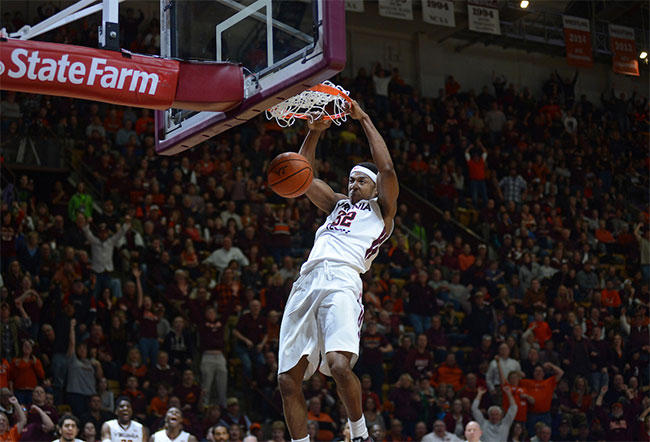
513,187
476,163
102,256
214,370
82,374
251,337
492,378
80,202
497,426
542,391
26,373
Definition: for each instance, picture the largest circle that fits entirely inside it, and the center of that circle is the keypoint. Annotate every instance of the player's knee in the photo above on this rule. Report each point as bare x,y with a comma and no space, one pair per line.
339,367
287,385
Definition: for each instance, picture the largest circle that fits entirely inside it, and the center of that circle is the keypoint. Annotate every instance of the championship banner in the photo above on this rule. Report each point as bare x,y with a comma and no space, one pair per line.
402,9
354,5
91,74
439,12
483,16
577,40
623,47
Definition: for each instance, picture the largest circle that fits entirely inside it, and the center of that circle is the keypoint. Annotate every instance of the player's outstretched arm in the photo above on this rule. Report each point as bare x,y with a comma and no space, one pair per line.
319,193
387,184
106,431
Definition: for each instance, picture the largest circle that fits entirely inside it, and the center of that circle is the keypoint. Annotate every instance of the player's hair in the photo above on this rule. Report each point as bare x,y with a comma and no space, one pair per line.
68,416
122,398
369,165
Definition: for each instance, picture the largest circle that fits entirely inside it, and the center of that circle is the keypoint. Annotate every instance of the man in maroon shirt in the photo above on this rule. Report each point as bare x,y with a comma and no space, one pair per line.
214,370
188,392
420,362
251,337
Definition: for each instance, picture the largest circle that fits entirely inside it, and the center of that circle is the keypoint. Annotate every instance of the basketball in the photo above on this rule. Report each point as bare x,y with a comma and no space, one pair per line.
290,175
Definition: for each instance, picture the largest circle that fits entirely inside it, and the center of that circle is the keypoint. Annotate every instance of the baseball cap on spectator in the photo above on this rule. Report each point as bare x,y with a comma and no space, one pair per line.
627,281
482,246
487,337
5,391
617,404
232,401
507,236
154,207
277,425
255,426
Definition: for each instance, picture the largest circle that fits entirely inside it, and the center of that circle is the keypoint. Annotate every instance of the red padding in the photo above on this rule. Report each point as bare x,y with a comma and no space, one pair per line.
92,74
209,86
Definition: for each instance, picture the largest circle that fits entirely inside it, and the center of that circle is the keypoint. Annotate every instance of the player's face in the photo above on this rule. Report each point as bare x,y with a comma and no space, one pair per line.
69,430
124,411
361,187
221,434
173,417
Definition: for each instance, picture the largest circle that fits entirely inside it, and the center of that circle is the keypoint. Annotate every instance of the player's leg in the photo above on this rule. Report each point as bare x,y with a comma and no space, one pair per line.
293,399
348,385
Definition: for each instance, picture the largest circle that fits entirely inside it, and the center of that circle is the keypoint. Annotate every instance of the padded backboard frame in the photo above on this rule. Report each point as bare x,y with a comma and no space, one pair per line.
285,78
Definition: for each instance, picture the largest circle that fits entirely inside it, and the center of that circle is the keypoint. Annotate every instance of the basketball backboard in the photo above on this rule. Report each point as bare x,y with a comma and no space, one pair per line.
285,47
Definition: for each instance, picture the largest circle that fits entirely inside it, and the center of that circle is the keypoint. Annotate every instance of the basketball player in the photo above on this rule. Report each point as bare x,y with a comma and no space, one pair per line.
324,312
173,431
68,428
123,428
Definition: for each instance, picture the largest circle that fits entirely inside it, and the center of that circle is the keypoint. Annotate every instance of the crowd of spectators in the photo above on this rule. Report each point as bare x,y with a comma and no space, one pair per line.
170,288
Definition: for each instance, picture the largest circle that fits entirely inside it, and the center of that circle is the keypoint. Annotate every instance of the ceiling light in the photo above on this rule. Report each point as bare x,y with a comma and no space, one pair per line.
643,55
524,4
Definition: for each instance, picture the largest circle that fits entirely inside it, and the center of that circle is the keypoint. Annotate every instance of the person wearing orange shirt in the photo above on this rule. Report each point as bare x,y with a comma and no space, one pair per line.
521,398
26,372
541,329
326,425
542,391
449,373
12,434
466,259
609,297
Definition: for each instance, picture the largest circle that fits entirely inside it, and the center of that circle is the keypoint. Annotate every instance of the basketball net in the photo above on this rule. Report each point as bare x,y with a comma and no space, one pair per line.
326,100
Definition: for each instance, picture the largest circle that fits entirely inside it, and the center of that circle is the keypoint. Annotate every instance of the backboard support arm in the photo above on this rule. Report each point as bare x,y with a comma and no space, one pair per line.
110,39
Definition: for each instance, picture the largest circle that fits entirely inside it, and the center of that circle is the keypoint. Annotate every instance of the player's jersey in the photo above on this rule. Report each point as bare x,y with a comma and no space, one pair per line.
351,235
132,433
161,436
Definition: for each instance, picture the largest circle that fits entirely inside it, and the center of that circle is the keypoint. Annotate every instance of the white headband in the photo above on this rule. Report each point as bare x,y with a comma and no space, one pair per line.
364,170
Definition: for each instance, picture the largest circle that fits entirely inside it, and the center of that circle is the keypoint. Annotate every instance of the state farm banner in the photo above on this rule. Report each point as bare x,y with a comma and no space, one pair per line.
623,47
91,74
483,16
354,5
439,12
577,40
402,9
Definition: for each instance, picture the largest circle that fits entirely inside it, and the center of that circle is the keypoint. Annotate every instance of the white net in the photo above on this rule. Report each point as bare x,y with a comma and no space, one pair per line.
311,105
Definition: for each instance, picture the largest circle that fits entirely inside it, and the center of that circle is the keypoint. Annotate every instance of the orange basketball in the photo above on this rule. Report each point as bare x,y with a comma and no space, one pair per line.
290,175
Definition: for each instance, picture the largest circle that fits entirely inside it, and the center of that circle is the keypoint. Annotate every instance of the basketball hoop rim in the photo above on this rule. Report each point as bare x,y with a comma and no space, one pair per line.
324,89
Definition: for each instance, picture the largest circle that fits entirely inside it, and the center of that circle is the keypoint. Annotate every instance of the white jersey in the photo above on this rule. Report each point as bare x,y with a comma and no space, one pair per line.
351,235
161,436
132,433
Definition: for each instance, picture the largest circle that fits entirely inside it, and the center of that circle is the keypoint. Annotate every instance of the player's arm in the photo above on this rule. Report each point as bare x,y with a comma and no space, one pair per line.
106,432
319,193
387,184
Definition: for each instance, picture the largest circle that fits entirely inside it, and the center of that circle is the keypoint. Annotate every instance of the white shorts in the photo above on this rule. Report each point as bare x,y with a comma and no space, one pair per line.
324,313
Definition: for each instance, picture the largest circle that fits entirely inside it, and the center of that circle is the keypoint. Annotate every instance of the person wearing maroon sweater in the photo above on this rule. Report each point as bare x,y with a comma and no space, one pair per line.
419,361
147,324
619,422
213,362
437,339
251,337
162,372
188,392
